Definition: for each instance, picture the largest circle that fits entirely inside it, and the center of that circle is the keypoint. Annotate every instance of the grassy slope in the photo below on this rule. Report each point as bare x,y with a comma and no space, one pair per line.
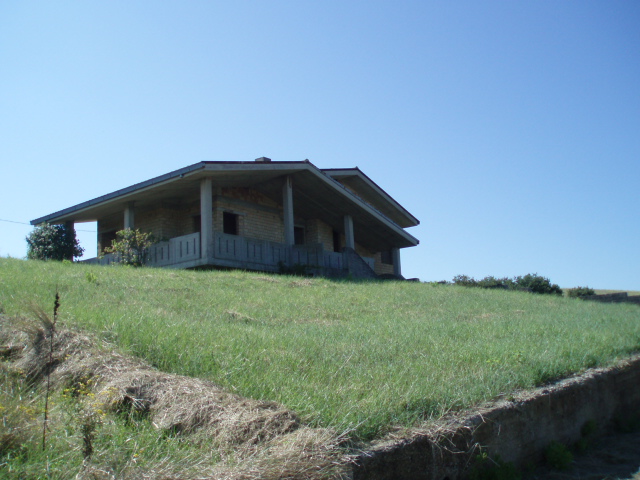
360,356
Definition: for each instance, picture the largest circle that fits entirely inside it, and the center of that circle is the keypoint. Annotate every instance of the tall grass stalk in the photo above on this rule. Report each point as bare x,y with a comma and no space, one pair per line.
50,331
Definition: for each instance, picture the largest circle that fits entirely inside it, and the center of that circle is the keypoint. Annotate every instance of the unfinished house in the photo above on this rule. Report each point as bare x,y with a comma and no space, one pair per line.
261,215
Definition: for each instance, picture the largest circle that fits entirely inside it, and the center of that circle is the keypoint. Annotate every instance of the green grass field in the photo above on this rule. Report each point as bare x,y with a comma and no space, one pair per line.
356,356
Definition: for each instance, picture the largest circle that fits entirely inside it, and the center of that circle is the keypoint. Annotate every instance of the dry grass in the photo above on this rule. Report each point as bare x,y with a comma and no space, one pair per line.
254,439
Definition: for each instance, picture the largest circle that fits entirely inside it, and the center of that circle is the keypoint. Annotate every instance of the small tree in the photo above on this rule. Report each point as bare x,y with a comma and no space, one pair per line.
132,246
53,242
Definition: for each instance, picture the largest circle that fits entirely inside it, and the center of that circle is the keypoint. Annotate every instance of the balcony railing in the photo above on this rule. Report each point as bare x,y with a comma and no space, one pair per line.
241,252
172,252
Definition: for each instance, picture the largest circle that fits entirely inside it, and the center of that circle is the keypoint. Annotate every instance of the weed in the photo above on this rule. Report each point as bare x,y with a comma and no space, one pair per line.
558,456
487,468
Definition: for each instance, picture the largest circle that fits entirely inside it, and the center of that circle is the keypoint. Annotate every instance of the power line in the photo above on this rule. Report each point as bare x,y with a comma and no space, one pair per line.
23,223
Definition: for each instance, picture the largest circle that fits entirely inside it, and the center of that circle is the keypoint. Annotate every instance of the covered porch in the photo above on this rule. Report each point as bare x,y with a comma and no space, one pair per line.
233,251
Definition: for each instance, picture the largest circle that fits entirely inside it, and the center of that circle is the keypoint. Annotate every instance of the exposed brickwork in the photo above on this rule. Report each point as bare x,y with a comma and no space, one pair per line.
318,232
382,268
258,217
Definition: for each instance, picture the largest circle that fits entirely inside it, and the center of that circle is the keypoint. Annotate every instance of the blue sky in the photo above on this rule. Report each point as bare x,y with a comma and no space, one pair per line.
510,129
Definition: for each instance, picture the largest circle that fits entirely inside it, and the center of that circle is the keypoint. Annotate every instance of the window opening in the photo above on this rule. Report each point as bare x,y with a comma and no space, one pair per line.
230,223
337,244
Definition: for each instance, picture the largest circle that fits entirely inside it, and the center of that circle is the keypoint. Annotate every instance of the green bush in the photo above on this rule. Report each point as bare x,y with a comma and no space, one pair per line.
465,281
537,284
580,292
486,468
532,282
131,247
53,242
558,456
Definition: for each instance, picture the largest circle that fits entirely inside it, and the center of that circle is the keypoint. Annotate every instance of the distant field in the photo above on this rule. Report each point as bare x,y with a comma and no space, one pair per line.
356,356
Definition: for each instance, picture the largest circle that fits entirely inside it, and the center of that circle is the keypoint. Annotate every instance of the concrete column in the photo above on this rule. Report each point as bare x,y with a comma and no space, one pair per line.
287,210
128,216
395,257
71,230
348,232
206,219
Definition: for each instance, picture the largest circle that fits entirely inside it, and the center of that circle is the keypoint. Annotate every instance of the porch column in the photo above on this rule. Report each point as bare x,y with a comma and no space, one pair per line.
287,210
71,230
128,216
348,232
395,257
206,218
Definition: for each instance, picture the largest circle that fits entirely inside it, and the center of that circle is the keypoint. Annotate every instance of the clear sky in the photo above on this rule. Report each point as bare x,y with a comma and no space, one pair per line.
510,129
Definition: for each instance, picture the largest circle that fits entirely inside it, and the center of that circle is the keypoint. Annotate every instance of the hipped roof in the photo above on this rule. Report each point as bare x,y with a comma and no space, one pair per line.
328,194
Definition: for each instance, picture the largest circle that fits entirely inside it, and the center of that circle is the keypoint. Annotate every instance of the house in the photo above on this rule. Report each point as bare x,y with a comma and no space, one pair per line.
262,215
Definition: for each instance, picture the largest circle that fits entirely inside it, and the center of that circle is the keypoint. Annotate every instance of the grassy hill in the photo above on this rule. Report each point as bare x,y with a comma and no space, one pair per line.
355,357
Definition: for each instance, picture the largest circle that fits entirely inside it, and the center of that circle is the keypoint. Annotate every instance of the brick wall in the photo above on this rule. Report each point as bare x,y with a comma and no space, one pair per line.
258,216
381,268
319,232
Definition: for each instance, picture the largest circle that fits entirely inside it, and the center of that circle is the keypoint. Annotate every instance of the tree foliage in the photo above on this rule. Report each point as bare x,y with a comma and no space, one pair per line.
530,282
131,247
53,242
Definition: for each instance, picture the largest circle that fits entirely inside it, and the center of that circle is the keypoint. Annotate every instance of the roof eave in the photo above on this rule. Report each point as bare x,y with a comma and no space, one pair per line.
357,172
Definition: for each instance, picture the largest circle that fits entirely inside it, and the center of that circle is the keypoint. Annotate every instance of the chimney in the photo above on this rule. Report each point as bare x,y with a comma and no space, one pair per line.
263,160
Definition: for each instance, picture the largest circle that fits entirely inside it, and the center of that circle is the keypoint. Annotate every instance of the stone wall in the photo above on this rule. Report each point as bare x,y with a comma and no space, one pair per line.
518,430
620,297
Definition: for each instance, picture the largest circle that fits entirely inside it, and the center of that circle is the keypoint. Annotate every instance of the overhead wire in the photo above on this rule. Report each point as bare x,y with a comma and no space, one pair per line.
24,223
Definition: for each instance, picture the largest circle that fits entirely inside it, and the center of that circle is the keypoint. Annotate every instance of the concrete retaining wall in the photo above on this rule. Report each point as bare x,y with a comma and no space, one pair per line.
518,430
621,297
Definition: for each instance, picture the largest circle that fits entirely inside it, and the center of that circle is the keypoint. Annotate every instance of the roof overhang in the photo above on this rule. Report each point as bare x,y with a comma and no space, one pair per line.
370,191
316,194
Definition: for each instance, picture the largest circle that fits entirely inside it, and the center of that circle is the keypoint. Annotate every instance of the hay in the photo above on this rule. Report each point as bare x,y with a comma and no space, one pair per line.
256,439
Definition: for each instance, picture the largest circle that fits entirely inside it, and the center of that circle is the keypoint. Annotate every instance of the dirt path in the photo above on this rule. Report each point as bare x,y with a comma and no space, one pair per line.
615,457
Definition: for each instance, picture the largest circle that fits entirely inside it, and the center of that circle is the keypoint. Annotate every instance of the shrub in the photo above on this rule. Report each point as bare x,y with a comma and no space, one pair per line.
53,242
580,292
131,246
486,468
465,281
538,284
492,282
558,456
532,282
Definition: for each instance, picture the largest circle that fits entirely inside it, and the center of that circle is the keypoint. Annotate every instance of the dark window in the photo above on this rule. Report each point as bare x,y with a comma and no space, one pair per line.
298,235
197,224
230,223
386,256
337,247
